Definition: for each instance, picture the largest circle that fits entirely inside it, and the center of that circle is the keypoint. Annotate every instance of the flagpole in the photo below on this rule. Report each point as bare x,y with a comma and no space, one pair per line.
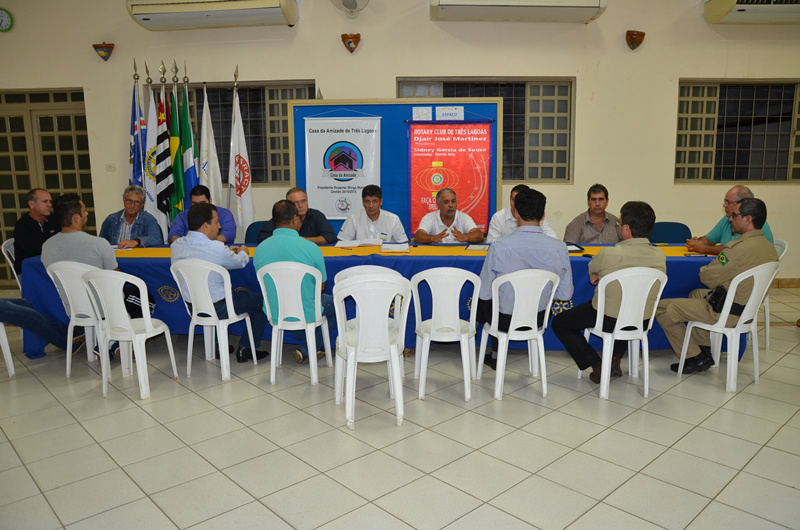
138,112
235,90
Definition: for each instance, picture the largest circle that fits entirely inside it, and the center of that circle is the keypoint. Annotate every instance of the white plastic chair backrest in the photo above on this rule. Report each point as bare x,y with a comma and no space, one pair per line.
10,256
781,246
762,278
363,269
445,284
636,284
373,297
529,287
66,275
192,277
287,276
105,291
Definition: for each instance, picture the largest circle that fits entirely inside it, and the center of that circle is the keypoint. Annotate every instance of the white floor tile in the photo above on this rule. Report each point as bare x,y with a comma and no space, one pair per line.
657,502
31,513
252,516
291,428
586,474
623,449
119,424
53,442
690,472
374,475
269,473
16,484
543,503
596,410
233,448
427,451
787,439
777,466
71,466
107,490
718,516
763,498
481,475
526,451
330,450
142,513
487,516
428,503
718,447
740,425
201,499
368,516
142,445
313,502
169,469
203,426
605,517
473,429
564,429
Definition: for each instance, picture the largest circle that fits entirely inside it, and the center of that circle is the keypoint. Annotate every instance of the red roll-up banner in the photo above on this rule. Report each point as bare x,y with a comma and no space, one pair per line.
450,155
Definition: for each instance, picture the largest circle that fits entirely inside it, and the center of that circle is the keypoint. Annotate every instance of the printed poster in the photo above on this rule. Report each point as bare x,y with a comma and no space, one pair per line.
455,156
342,156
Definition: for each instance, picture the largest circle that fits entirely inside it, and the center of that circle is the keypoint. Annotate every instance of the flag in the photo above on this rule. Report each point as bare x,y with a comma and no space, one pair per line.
189,150
209,174
176,156
138,134
165,186
239,169
150,177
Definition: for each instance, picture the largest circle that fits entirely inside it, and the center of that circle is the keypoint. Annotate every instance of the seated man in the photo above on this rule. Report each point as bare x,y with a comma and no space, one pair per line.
749,250
21,313
34,228
201,242
634,250
722,233
287,245
526,248
372,222
449,224
595,226
504,223
132,227
314,225
227,224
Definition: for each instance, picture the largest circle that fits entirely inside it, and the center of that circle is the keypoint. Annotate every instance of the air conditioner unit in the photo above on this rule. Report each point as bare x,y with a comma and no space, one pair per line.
165,15
576,11
752,11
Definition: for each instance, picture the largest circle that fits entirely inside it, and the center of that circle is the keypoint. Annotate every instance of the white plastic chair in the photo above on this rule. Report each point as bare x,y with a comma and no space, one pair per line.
781,246
66,276
762,278
192,277
7,351
105,291
636,284
288,279
359,270
529,286
445,284
374,338
8,253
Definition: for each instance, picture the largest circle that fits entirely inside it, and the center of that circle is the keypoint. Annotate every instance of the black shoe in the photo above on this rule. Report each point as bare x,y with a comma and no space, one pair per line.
231,349
490,362
616,369
695,365
244,355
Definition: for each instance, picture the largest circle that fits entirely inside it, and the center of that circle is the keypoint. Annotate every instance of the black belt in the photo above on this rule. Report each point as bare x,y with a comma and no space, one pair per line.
737,309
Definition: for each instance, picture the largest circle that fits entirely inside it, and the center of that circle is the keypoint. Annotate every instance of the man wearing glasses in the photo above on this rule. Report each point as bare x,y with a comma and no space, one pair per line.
713,242
314,226
132,227
750,249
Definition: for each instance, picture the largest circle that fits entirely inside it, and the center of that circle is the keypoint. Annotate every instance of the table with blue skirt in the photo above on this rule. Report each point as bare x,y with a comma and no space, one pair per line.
152,265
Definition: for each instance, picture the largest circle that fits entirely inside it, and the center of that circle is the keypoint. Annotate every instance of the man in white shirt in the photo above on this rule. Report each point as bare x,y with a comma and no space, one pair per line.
201,242
504,222
448,225
372,222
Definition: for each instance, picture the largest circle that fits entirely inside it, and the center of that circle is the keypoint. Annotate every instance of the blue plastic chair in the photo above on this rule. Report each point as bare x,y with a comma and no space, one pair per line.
251,234
670,232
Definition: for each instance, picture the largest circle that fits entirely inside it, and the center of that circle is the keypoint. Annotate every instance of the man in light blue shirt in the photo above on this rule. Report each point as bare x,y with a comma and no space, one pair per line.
201,243
722,233
286,244
526,248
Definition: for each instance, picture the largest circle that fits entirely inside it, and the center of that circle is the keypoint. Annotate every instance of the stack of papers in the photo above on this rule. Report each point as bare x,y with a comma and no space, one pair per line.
360,243
395,247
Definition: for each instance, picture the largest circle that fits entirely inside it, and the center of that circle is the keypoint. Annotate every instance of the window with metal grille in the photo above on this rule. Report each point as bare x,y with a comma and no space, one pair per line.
738,131
537,121
265,114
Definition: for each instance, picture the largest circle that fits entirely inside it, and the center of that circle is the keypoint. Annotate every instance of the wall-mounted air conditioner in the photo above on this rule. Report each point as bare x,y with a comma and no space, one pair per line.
164,15
576,11
752,11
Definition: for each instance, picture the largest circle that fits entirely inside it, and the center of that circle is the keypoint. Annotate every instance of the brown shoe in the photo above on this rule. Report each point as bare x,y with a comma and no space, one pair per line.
616,369
594,377
408,351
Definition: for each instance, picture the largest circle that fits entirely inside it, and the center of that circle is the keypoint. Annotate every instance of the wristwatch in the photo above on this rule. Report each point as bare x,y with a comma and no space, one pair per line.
138,241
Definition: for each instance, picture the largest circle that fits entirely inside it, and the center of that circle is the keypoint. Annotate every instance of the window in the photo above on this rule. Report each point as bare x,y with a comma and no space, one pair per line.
43,144
537,121
742,132
265,113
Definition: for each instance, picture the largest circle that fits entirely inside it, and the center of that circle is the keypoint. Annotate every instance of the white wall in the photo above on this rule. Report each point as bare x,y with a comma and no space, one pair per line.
626,101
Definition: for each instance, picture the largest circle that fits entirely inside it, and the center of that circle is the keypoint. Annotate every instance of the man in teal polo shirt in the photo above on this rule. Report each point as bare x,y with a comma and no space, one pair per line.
722,233
287,245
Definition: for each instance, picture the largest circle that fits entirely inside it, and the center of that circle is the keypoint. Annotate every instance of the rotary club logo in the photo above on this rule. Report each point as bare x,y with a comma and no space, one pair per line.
242,175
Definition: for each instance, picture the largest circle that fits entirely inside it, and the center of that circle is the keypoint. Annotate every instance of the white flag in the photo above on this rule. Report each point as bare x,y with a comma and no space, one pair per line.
239,173
150,169
209,173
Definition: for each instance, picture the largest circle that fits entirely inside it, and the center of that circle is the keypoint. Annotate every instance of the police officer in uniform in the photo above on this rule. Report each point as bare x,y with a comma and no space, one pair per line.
748,251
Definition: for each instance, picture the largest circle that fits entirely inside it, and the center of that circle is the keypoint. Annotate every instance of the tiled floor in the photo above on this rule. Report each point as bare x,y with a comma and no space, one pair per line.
244,454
